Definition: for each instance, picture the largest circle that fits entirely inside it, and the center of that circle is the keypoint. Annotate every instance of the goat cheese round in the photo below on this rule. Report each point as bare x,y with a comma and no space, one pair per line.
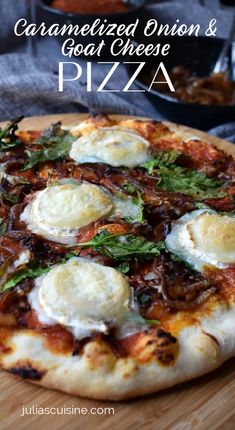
83,296
204,237
115,146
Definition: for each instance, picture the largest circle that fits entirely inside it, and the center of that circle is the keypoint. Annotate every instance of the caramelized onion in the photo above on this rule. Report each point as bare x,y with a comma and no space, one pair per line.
215,89
183,305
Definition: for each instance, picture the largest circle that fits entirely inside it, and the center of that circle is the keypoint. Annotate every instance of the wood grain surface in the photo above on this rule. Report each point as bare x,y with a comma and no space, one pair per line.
207,403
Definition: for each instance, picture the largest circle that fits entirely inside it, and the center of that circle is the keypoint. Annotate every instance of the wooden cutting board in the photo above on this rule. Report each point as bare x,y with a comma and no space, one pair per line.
207,403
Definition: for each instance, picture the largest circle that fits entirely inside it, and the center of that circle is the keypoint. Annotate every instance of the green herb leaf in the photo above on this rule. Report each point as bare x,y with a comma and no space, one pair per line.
123,267
153,322
201,205
3,226
123,247
138,215
132,206
182,180
140,203
190,182
55,144
11,198
135,318
68,256
31,271
129,187
143,298
8,138
161,160
21,275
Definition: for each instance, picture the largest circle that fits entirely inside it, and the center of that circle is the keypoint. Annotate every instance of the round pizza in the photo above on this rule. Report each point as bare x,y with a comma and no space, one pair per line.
117,256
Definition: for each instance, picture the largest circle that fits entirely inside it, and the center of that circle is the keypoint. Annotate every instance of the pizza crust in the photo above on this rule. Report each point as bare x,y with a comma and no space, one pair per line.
98,374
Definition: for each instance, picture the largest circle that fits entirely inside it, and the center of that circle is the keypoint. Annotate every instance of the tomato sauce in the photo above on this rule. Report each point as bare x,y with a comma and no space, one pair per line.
91,6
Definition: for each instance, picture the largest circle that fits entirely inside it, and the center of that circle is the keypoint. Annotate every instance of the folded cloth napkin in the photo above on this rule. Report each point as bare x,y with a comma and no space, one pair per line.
30,86
225,131
27,90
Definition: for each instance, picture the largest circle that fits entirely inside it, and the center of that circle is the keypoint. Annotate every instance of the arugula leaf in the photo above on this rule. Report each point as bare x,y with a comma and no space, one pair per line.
3,226
55,144
123,247
140,203
161,160
129,187
143,298
201,205
135,318
68,256
8,138
139,215
11,198
153,322
123,267
31,271
61,150
188,181
132,206
182,180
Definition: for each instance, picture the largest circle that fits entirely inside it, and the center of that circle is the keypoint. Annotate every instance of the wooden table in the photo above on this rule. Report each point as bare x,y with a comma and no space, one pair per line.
207,403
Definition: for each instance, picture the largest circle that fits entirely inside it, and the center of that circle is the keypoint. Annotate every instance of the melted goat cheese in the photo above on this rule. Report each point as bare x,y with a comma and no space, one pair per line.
115,146
204,237
82,296
58,212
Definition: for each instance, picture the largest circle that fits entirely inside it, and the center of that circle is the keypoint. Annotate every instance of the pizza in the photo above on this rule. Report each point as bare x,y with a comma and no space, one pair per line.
117,253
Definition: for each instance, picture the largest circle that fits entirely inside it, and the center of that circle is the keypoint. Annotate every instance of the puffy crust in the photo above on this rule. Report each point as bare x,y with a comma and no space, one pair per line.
150,130
99,374
91,123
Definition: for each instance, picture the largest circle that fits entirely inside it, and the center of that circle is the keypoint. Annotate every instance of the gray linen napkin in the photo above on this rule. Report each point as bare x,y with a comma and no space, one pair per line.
225,131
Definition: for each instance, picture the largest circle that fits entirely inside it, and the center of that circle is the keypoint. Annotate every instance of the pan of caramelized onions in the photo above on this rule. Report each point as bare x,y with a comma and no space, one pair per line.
201,99
216,89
